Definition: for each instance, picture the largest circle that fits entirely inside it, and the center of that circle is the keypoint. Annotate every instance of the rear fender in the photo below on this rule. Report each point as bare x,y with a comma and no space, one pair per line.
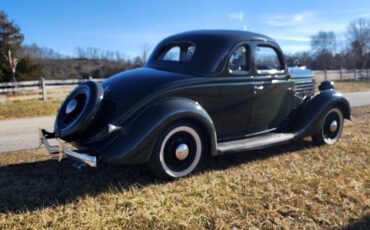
309,115
137,140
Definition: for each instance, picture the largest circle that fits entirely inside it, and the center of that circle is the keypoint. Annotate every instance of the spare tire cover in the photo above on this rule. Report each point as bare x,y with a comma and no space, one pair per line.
78,110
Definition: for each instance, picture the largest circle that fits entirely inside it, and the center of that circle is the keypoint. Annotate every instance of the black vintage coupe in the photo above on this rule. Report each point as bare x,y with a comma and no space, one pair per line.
200,93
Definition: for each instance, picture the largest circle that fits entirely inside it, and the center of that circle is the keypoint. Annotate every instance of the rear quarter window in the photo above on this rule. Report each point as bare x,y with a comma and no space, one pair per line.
182,52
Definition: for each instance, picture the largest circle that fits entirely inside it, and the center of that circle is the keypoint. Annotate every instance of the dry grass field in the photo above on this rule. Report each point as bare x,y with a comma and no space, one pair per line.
349,85
352,86
31,108
297,186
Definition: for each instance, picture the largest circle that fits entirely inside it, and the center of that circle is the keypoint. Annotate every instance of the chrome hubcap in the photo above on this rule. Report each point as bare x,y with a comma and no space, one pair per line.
71,106
333,126
182,151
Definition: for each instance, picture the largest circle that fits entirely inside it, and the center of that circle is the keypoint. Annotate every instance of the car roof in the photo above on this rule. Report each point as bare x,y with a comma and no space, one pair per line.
211,50
231,35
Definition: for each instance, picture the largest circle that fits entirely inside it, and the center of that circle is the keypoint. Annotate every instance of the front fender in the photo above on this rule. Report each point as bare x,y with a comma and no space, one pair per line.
308,118
138,138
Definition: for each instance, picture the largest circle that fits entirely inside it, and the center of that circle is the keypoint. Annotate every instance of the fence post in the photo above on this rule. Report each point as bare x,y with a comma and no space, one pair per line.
341,73
355,74
367,74
325,74
43,88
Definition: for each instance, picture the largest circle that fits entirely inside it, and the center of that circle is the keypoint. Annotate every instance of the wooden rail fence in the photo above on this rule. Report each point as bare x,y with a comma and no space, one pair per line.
58,89
343,74
38,90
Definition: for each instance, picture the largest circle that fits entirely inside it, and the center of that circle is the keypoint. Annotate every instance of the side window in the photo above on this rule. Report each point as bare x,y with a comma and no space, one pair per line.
267,60
190,52
239,61
182,52
172,54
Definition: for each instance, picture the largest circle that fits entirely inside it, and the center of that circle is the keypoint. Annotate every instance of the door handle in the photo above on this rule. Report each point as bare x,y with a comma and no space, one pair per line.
259,87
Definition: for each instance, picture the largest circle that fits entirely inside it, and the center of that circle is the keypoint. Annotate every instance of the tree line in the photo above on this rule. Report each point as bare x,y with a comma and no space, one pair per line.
325,54
86,63
20,61
28,62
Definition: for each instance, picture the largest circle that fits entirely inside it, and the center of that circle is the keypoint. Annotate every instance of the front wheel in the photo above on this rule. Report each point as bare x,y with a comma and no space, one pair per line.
178,151
331,128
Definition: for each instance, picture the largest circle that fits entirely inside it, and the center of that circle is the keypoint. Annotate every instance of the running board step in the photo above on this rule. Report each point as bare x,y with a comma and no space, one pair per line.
254,143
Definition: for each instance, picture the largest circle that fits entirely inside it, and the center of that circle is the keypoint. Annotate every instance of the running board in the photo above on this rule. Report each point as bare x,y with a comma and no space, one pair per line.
254,143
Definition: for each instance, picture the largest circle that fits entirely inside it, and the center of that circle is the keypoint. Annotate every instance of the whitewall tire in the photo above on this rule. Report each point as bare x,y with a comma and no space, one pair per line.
178,152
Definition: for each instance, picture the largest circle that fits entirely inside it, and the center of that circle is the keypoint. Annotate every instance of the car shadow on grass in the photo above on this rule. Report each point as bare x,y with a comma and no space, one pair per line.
361,224
42,184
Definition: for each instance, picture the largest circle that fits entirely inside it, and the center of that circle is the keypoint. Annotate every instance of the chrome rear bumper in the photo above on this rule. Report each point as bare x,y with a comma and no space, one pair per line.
62,151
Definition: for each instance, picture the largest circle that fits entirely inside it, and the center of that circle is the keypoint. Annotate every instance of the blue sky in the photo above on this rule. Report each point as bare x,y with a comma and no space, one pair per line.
128,25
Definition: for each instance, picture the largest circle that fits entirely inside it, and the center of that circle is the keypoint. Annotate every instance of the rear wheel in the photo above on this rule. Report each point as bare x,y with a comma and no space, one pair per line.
331,128
178,151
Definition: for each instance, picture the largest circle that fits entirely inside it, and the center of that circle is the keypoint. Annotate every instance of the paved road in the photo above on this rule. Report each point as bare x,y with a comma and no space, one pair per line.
20,134
358,98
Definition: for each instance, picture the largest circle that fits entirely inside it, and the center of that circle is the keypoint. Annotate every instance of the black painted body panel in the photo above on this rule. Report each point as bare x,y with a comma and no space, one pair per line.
144,101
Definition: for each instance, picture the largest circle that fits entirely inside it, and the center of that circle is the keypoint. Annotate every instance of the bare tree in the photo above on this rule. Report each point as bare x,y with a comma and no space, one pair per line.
80,52
358,35
323,46
146,49
10,42
13,62
324,42
34,51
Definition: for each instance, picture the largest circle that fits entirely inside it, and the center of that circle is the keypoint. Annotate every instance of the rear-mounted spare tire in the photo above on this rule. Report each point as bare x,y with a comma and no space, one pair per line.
78,110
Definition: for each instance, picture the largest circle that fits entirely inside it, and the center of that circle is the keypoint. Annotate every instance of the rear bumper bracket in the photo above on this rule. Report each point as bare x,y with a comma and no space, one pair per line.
62,151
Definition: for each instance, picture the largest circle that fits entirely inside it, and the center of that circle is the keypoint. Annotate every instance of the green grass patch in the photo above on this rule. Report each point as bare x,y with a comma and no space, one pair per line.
299,186
32,108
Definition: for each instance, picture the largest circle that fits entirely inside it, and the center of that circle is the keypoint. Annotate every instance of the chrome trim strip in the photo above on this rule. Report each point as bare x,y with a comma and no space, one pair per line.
112,128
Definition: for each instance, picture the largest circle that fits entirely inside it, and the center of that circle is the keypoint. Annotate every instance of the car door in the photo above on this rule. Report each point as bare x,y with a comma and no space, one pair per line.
272,91
236,95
